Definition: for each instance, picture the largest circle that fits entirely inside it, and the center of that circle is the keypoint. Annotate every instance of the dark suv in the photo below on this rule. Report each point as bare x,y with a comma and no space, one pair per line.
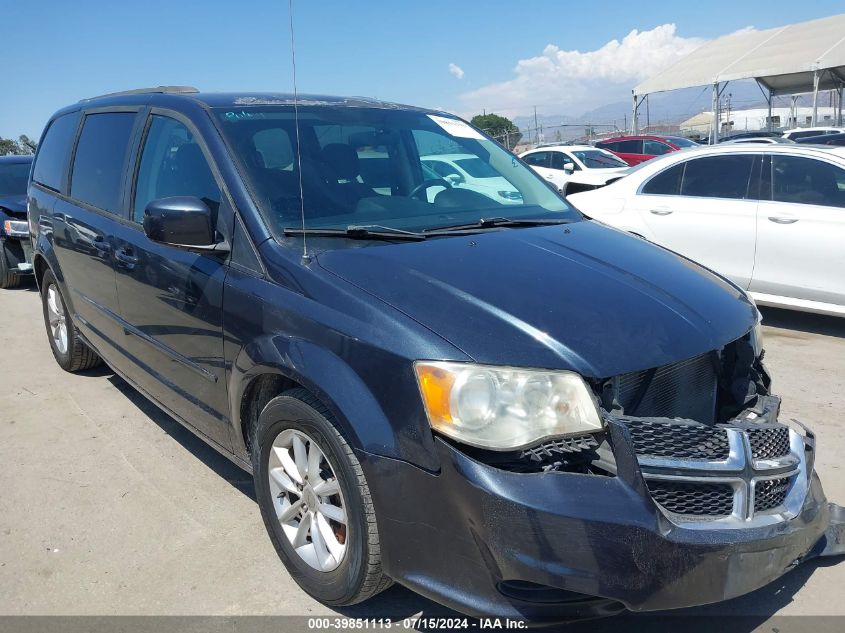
15,250
526,415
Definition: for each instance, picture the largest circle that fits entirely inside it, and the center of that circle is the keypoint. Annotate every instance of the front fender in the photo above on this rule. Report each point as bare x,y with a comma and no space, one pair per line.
361,416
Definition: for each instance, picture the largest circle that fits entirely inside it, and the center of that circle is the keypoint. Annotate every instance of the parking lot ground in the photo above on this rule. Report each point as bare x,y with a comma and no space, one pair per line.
108,507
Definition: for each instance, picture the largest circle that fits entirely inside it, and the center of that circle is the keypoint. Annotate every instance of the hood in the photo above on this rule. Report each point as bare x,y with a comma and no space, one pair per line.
581,296
15,204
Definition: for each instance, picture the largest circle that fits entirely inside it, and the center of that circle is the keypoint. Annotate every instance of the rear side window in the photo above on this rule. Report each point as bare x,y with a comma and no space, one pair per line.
98,167
667,182
51,162
807,181
655,148
718,176
172,164
633,146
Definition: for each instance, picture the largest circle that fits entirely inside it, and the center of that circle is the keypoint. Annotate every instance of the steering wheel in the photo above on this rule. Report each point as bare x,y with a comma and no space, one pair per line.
430,182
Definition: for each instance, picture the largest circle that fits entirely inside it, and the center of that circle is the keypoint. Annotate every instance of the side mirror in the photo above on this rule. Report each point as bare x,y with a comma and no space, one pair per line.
183,221
454,179
569,167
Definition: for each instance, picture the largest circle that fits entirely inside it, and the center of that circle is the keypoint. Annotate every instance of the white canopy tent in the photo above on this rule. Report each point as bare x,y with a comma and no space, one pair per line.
799,58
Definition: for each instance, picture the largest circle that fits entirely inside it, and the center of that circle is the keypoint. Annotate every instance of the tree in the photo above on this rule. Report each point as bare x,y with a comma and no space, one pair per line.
28,145
499,127
20,147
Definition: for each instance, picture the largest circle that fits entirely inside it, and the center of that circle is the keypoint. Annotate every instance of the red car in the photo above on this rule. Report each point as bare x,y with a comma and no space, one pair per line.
638,149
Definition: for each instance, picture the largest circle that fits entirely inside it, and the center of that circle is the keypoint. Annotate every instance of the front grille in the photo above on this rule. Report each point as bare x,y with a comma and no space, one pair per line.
770,493
768,442
678,441
693,499
686,389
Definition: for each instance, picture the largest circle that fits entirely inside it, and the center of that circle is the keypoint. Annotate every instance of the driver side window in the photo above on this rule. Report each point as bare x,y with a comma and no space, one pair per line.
172,164
560,159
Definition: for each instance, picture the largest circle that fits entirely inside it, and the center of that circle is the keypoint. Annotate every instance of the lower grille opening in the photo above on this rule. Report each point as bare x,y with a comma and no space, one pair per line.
693,499
770,494
526,591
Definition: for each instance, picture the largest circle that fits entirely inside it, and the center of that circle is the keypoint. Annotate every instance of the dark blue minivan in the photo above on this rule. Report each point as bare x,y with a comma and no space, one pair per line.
474,391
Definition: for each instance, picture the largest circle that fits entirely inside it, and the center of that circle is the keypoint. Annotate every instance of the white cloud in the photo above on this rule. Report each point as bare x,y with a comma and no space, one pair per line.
456,70
573,82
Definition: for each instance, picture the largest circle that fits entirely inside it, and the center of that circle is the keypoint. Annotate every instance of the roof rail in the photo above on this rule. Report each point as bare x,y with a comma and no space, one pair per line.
143,91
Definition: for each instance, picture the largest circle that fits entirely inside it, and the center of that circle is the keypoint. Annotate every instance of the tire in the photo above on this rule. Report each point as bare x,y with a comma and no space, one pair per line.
8,278
346,579
74,355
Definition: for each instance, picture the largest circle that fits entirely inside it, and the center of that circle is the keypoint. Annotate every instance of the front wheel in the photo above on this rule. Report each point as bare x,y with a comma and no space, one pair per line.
315,501
70,351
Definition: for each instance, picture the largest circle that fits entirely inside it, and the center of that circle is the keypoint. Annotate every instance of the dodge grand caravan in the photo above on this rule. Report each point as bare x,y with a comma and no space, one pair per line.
508,408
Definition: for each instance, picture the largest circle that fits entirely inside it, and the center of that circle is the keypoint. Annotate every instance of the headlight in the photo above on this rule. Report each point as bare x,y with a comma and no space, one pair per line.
16,228
757,336
505,408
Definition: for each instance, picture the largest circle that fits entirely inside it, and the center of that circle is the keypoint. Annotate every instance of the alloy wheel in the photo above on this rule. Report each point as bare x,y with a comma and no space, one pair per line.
307,500
57,319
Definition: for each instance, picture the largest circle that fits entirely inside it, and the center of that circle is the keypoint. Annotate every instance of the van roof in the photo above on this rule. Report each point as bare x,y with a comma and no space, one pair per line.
239,99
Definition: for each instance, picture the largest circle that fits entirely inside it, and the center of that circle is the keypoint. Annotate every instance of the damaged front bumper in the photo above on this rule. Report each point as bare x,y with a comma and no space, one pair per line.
485,540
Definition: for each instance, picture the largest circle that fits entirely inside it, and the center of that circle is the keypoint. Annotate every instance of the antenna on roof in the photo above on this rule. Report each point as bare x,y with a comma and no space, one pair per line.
306,258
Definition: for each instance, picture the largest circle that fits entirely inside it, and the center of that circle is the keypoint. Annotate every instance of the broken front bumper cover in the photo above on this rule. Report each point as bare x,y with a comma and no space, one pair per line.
560,545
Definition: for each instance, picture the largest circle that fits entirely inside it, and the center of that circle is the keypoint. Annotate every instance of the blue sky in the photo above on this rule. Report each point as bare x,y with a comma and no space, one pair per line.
397,50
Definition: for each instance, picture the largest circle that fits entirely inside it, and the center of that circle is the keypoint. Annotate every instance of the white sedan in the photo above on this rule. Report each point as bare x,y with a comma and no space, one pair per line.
770,218
574,168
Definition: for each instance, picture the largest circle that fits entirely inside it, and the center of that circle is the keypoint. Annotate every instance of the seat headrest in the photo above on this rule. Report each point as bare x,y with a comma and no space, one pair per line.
342,159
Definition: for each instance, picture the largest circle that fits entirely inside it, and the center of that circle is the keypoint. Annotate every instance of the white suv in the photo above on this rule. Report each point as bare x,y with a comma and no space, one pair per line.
573,168
771,218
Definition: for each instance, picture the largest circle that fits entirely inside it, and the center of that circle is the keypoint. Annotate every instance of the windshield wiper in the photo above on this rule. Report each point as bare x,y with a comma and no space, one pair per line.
490,223
361,232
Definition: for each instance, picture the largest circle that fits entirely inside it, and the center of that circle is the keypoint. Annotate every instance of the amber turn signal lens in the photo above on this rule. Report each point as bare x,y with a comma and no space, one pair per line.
436,387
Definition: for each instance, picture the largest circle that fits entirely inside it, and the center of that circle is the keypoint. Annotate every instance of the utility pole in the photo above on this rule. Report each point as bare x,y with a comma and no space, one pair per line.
536,127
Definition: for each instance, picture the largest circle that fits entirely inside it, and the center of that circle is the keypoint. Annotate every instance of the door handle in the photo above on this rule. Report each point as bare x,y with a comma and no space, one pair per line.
777,219
125,258
549,177
661,211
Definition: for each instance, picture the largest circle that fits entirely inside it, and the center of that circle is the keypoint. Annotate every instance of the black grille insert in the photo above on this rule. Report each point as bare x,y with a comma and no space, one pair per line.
686,389
677,440
768,442
770,494
557,447
692,498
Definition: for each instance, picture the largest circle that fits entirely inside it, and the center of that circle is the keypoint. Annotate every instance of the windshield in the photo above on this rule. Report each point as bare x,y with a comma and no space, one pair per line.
13,178
598,159
377,166
477,168
680,141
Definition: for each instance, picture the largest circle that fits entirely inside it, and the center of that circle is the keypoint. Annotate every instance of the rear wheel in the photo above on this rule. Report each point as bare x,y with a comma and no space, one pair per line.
70,351
8,278
315,501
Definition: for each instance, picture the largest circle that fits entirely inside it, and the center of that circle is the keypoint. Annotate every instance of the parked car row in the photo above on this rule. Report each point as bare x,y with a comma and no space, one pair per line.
416,345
